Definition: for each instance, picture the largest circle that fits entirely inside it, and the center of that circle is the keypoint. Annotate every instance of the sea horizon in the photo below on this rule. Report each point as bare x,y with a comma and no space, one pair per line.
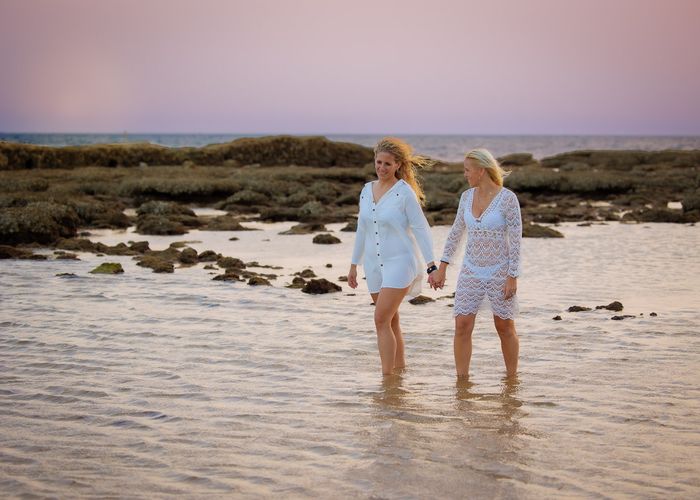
448,147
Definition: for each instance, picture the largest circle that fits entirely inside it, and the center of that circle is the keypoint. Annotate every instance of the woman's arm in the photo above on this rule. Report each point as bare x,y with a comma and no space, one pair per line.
514,233
454,238
358,250
420,227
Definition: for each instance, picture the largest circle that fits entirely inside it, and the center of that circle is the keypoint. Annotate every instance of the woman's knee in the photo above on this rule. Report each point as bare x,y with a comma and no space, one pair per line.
464,326
505,328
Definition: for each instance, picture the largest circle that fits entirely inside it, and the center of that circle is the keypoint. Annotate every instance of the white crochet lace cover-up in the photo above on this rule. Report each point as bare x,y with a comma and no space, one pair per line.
492,254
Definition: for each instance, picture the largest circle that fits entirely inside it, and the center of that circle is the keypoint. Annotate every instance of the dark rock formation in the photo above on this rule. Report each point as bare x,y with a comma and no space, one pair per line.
319,286
420,299
578,309
41,222
613,306
537,231
326,239
108,268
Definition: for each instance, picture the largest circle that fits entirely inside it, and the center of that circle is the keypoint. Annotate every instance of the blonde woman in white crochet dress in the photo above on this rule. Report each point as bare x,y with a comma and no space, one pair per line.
489,214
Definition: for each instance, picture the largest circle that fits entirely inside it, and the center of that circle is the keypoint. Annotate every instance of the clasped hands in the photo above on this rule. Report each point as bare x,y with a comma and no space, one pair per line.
436,279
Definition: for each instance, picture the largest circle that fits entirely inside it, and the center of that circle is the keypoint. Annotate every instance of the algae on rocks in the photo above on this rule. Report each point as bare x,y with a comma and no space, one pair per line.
108,268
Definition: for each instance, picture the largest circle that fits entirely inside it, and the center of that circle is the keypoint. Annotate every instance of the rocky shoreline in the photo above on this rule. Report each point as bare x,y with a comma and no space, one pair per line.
48,194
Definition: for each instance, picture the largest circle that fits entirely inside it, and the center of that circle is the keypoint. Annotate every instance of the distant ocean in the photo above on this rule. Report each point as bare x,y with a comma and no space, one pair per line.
444,147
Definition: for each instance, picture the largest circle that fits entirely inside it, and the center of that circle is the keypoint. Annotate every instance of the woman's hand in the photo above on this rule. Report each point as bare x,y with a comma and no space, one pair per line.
437,279
511,288
352,276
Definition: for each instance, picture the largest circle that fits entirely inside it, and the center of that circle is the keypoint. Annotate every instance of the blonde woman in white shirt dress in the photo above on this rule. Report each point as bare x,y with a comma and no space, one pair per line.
489,214
391,232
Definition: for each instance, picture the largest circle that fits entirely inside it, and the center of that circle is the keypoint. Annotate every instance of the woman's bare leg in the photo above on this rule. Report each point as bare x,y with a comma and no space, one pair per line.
400,357
510,345
464,326
386,307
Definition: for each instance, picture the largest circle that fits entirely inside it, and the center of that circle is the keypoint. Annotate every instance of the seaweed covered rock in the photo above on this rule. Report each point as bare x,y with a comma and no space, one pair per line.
38,222
164,218
305,228
326,239
273,150
226,223
320,286
537,231
108,268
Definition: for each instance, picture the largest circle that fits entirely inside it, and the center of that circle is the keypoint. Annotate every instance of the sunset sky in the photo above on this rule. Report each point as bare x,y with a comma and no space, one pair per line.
356,66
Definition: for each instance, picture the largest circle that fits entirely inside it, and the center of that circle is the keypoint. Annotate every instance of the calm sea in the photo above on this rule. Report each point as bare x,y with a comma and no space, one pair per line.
149,385
445,147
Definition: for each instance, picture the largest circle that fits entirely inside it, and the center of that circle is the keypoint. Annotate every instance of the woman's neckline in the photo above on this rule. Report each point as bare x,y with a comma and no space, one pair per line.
488,207
385,192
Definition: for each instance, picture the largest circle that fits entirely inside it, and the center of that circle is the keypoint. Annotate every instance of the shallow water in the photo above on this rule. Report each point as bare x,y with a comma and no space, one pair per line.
151,385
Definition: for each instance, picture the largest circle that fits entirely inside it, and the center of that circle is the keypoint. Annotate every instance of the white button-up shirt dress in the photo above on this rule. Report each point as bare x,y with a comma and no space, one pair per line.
389,234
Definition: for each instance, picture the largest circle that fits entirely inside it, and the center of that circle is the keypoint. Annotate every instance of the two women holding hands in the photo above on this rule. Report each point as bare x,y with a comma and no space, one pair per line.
391,226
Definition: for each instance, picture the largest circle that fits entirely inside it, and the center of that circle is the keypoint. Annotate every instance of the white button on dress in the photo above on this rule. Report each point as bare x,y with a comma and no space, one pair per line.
389,236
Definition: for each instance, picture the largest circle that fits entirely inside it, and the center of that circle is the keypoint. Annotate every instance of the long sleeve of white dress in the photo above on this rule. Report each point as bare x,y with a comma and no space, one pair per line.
420,227
514,233
454,239
359,248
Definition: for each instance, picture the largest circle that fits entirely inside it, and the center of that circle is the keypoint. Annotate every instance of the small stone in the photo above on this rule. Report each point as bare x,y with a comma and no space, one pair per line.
420,299
188,256
208,256
557,318
108,268
234,238
342,278
306,273
653,314
574,309
297,282
320,286
230,263
329,265
66,275
258,281
613,306
624,316
326,239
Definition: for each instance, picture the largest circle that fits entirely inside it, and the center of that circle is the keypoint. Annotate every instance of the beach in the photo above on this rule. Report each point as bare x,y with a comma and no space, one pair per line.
210,365
150,385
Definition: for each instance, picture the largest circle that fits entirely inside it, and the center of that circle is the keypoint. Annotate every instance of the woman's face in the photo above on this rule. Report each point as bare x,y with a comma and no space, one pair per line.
473,172
385,165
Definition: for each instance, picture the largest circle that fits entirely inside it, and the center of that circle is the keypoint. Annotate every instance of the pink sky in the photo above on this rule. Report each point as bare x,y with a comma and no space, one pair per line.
314,66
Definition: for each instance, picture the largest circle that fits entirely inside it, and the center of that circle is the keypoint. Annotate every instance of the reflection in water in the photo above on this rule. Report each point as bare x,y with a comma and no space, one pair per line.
500,411
416,440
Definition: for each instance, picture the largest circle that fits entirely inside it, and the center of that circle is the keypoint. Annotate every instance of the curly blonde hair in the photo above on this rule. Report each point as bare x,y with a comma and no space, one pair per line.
409,163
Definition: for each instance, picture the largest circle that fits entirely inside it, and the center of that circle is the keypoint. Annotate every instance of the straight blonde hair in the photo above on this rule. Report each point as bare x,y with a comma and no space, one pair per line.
409,163
486,160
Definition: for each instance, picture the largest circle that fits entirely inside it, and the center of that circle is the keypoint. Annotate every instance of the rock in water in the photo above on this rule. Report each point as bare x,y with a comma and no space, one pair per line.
297,282
108,268
305,228
258,280
326,239
624,316
420,299
557,318
537,231
574,309
320,286
613,306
